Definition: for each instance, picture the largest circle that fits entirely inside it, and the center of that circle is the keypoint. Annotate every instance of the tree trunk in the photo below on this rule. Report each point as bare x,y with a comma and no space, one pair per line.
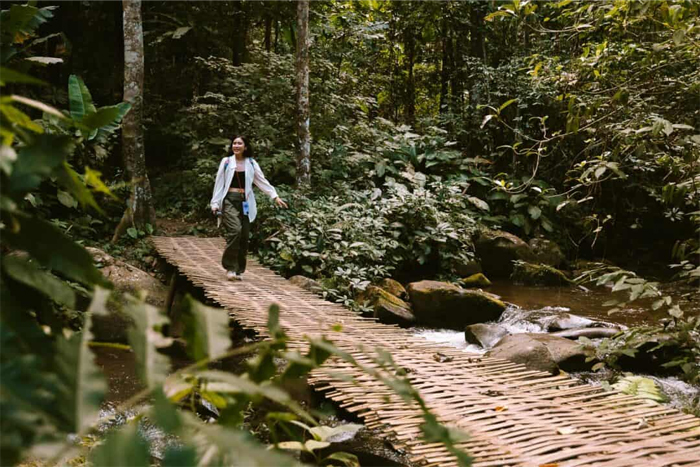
277,36
268,33
446,70
239,33
409,44
478,47
302,72
139,209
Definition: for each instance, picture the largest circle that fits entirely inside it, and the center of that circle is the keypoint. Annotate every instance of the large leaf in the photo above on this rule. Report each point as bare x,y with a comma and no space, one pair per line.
234,448
80,100
36,162
125,447
43,241
27,272
12,76
640,386
82,385
21,21
107,118
146,337
206,330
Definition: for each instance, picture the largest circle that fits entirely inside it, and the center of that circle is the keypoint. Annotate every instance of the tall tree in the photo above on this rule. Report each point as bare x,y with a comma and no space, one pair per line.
139,210
302,72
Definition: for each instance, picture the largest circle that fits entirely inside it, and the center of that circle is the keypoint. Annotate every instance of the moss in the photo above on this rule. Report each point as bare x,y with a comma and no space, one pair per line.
538,274
475,281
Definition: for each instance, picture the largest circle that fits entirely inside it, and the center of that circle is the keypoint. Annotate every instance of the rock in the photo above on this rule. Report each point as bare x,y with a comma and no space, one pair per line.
566,353
564,321
475,281
468,269
130,279
484,335
498,250
388,308
521,348
306,284
547,252
394,288
591,333
113,326
543,352
538,274
446,305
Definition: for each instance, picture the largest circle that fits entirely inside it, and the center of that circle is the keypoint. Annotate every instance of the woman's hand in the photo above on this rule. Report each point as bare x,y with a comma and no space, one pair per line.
279,202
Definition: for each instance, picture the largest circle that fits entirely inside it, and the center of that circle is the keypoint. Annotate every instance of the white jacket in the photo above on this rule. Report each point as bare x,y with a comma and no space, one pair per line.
253,174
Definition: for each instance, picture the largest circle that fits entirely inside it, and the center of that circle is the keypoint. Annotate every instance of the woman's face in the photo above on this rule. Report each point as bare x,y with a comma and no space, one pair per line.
238,146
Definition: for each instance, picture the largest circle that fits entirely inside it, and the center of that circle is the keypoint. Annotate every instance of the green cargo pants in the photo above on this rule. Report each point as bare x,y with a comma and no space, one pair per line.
236,232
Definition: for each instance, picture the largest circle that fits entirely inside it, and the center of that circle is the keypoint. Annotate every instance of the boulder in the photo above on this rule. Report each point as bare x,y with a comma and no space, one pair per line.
567,354
388,308
591,333
498,250
538,274
394,288
521,348
475,281
128,278
445,305
113,326
468,269
552,320
547,252
306,284
484,335
543,352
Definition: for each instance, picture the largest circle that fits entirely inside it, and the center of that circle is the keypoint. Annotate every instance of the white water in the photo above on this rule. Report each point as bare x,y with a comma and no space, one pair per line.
515,319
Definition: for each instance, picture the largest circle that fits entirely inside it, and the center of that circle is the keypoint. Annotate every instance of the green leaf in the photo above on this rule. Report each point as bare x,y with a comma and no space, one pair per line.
66,199
80,100
639,386
340,432
125,447
36,162
11,76
103,117
43,241
206,331
506,104
82,385
534,211
132,232
26,272
146,337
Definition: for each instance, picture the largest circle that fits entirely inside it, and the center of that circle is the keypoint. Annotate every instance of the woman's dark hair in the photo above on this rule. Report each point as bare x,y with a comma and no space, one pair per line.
247,152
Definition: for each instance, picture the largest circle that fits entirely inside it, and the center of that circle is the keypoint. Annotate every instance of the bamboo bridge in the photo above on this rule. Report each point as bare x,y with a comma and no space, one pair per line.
512,416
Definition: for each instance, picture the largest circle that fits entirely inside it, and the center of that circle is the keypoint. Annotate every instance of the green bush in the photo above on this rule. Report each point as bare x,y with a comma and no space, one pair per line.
350,240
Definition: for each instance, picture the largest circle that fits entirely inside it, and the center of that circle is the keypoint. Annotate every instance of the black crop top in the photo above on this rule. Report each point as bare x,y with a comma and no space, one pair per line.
238,180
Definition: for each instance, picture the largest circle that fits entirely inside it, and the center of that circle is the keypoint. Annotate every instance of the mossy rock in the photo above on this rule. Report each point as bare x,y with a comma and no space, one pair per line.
388,308
441,304
497,251
475,281
393,287
538,274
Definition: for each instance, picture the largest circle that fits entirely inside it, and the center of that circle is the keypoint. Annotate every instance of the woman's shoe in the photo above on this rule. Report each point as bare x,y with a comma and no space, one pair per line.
232,276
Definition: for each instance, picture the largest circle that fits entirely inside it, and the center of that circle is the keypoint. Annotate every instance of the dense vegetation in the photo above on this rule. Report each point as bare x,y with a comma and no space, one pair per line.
575,121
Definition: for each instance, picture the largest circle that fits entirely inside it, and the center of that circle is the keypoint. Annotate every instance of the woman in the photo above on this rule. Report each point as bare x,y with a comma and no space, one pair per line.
234,199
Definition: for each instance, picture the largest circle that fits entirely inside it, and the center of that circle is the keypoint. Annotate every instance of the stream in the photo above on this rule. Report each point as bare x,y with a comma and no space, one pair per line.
525,301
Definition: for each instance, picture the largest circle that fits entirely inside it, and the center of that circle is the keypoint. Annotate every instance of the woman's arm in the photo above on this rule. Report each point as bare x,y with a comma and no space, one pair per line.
218,185
261,182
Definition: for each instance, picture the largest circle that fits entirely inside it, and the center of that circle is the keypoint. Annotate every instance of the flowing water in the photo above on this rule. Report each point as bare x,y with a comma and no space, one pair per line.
525,303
